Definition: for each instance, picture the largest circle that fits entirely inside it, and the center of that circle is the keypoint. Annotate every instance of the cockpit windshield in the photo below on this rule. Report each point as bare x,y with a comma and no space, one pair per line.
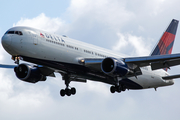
14,32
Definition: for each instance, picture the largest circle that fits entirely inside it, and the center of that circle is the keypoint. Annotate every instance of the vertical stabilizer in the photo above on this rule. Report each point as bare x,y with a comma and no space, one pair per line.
166,42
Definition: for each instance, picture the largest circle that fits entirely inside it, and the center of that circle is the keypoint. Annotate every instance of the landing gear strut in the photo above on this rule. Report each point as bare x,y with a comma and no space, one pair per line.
16,59
68,90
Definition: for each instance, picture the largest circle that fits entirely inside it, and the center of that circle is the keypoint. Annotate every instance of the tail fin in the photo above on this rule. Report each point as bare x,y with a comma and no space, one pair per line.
166,42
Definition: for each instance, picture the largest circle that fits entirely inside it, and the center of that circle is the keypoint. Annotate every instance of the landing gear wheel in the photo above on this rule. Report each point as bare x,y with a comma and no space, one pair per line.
112,89
73,91
123,88
62,92
68,92
118,89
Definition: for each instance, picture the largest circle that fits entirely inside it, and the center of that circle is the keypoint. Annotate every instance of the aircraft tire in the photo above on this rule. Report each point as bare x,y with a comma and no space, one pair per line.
112,89
62,92
73,91
68,92
123,88
118,89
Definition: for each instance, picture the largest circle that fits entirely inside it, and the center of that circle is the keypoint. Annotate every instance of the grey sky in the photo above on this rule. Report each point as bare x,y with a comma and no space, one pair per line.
130,27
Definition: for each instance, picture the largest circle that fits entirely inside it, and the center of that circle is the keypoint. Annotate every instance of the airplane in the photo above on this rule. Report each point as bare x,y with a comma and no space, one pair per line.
47,53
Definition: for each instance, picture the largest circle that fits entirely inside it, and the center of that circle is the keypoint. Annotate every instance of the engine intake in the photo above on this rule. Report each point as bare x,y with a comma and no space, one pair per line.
29,73
113,66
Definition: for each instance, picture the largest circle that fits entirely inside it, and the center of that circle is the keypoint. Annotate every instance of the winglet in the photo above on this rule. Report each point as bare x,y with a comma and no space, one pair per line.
166,42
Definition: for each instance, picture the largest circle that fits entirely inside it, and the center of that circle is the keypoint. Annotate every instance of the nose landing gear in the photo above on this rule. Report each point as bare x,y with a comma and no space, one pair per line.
68,90
16,59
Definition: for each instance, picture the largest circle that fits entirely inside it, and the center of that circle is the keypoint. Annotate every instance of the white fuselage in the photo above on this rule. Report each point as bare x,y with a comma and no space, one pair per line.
43,45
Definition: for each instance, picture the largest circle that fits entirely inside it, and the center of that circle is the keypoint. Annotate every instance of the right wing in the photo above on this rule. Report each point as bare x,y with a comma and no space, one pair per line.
156,62
7,66
44,70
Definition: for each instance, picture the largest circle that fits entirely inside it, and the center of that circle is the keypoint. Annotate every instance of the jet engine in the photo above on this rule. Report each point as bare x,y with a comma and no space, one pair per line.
28,73
113,66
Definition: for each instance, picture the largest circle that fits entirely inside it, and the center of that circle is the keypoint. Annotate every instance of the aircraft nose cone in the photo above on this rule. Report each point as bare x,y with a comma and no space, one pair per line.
6,40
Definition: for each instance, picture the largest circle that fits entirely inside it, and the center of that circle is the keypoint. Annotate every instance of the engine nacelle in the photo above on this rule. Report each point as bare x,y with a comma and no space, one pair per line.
29,73
113,66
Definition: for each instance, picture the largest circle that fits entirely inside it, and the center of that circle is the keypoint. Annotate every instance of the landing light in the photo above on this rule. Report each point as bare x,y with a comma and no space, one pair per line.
82,60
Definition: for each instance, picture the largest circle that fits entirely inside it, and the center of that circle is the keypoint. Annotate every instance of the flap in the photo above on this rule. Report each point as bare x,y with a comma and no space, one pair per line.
164,64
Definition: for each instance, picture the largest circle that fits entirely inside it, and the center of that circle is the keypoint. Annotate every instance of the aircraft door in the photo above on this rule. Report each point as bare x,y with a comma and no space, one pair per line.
35,39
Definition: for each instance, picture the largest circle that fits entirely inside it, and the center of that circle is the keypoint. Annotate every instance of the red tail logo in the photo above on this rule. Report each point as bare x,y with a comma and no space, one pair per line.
166,42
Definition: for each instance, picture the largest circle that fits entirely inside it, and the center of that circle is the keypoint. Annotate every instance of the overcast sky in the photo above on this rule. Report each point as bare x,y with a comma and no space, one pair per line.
130,27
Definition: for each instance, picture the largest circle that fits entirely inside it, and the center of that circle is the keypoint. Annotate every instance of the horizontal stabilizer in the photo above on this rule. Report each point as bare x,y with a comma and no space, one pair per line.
171,77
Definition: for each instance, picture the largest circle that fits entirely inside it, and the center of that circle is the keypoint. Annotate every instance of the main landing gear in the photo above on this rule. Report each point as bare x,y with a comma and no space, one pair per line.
117,88
68,90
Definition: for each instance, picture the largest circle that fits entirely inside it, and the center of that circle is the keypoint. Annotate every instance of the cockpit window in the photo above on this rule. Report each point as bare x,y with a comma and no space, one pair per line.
18,32
10,32
14,32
